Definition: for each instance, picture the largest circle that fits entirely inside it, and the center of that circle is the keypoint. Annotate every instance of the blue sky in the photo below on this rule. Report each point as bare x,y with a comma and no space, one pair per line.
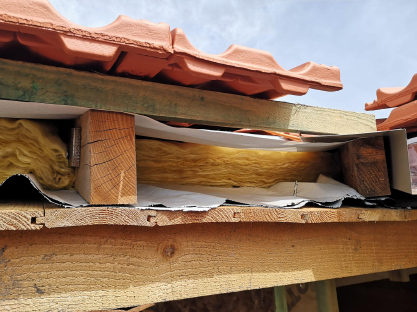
372,42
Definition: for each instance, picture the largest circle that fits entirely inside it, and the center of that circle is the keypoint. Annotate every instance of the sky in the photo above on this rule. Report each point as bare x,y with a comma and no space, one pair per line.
373,42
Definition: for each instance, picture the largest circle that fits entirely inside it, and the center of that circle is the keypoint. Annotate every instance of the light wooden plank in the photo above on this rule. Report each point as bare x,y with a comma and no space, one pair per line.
107,172
108,267
135,309
52,85
20,216
59,217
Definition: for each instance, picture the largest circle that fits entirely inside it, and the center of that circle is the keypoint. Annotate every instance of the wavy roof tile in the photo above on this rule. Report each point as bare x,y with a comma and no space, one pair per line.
404,116
32,30
393,97
404,102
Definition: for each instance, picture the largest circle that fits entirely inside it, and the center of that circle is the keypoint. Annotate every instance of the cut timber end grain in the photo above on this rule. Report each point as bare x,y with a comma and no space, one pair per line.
196,164
33,147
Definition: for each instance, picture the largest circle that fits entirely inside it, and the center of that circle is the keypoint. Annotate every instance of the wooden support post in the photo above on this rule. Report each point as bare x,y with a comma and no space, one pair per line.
326,296
107,172
364,166
280,299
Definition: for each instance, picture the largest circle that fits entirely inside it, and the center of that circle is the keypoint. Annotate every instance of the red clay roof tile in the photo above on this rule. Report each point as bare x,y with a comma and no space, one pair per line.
392,97
34,31
401,117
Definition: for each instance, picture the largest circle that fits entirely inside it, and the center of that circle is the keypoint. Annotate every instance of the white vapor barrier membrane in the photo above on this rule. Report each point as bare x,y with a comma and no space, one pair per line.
325,191
146,126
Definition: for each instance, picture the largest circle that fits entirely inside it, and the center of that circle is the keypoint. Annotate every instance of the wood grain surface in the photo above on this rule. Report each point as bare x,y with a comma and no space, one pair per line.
107,172
60,217
52,85
20,216
108,267
364,166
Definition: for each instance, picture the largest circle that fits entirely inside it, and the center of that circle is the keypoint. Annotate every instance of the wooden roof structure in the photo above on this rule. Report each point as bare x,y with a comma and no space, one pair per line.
107,256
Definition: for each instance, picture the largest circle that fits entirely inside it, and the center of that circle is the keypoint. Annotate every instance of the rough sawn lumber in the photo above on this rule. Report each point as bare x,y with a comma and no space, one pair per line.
61,217
21,216
27,82
107,172
104,267
364,166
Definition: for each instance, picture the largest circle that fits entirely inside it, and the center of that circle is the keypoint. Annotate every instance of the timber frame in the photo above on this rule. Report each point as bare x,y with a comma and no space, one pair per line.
107,257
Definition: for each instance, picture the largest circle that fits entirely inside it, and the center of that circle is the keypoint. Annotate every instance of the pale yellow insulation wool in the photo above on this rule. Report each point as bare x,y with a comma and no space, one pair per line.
195,164
33,147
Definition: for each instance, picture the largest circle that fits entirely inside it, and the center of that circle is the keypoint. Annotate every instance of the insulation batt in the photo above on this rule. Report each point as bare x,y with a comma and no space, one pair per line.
28,146
196,164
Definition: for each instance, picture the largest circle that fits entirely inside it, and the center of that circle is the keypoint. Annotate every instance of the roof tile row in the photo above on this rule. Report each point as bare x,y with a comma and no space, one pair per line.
393,97
403,100
32,30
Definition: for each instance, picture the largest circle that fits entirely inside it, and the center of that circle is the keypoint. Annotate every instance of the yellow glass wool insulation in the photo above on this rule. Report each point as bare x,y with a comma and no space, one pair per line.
195,164
33,147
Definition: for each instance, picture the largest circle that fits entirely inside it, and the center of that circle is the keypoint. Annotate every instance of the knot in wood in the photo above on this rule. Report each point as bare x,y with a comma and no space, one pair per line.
169,251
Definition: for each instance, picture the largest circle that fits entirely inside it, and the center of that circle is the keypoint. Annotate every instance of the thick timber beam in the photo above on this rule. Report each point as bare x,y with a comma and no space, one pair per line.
108,267
27,82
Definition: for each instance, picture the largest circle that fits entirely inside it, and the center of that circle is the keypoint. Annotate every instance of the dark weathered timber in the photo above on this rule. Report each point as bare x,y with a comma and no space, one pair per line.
21,81
364,166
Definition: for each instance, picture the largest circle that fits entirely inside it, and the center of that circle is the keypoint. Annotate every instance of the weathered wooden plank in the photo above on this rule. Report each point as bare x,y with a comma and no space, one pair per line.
105,267
59,217
52,85
364,166
21,216
107,172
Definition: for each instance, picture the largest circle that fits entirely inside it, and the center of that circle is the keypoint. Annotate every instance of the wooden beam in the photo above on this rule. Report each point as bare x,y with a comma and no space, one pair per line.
105,267
107,172
52,85
364,166
60,217
20,216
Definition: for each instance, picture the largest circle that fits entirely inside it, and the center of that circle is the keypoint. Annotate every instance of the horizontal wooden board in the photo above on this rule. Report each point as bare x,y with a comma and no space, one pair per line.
105,267
60,217
25,216
20,216
52,85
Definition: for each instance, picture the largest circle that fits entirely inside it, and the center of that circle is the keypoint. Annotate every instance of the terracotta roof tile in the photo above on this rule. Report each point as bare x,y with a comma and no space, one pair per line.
404,102
393,97
32,30
402,117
